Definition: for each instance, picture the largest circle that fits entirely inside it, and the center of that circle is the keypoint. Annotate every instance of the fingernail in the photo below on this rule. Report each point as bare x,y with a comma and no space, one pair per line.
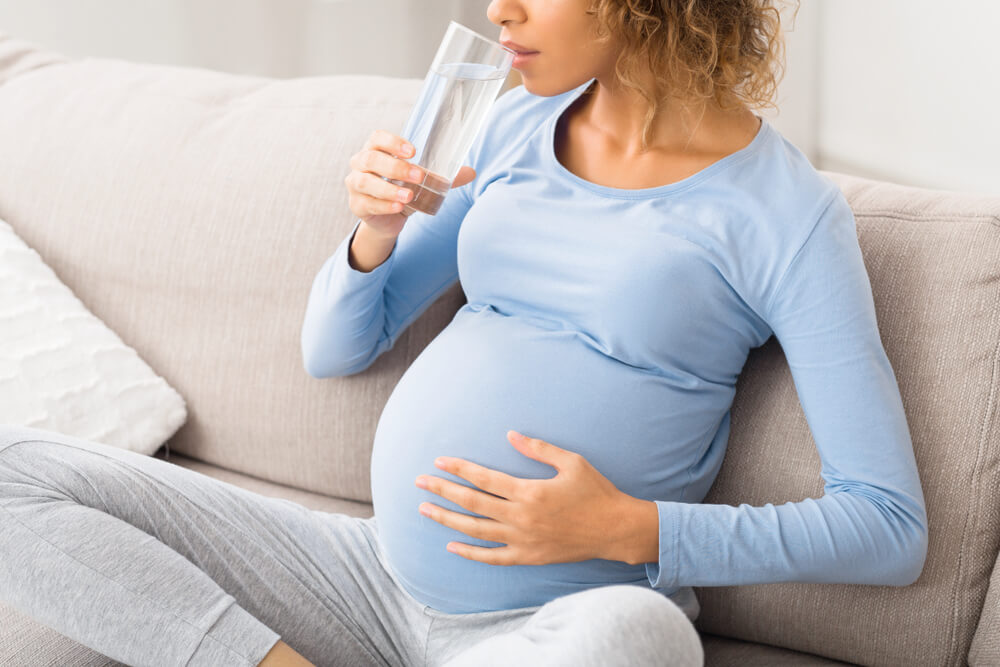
425,511
402,194
421,482
415,174
407,149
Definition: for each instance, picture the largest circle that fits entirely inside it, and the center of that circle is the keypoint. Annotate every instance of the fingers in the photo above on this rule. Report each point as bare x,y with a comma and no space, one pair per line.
364,206
473,500
382,158
375,187
381,164
381,181
477,527
557,457
488,555
493,481
390,143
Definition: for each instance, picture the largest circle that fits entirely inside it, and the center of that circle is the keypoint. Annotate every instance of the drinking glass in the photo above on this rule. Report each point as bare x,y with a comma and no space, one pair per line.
461,86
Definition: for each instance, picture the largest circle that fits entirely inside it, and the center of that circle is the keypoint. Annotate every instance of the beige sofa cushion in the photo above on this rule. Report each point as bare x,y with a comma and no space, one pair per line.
934,263
985,650
24,642
190,210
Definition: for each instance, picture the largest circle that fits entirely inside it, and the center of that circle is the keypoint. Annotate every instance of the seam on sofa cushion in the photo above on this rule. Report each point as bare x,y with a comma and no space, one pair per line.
895,214
972,518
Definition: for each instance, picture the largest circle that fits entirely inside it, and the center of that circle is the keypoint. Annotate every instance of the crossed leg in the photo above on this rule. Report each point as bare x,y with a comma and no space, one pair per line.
153,564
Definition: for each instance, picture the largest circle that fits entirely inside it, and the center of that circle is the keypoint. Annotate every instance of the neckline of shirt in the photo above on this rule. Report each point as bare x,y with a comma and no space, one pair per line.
643,193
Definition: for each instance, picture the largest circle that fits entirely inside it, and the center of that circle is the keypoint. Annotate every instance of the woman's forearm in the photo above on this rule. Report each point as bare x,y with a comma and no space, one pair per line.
345,326
369,249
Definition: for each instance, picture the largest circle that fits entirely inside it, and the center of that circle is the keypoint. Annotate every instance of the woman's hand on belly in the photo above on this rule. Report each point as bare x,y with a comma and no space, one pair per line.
576,515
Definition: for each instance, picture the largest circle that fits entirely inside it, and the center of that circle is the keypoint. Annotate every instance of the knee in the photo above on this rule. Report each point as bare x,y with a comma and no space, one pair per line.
653,627
32,460
17,479
663,618
17,474
12,435
9,437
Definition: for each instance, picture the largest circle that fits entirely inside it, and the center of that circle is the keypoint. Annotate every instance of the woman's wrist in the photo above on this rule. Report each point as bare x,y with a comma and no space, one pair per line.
637,534
369,249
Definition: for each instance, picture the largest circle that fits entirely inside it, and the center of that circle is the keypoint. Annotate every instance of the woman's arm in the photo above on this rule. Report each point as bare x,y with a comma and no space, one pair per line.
353,314
368,249
870,526
360,302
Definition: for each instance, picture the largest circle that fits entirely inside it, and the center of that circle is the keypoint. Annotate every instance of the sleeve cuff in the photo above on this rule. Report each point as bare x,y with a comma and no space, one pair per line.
663,574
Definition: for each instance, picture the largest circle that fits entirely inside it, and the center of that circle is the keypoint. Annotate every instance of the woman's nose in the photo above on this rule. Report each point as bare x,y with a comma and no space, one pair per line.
500,12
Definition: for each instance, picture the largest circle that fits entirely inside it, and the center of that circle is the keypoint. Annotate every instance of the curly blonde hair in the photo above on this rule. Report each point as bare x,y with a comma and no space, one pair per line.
729,51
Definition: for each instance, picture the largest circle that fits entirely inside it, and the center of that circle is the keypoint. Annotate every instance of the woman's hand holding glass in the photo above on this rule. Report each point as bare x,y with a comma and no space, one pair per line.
379,203
376,201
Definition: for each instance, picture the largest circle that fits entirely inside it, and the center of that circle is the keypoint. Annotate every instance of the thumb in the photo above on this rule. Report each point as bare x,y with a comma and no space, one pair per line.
465,175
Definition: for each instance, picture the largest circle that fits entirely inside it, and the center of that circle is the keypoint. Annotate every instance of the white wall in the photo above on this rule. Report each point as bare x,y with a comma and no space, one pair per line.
161,31
390,37
901,90
280,38
798,92
910,91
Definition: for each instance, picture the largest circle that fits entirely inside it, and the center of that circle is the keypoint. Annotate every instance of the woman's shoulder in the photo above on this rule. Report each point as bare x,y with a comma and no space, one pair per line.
785,187
778,201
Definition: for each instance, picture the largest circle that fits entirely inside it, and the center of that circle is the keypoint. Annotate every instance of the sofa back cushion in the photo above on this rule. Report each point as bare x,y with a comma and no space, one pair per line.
190,210
933,258
985,650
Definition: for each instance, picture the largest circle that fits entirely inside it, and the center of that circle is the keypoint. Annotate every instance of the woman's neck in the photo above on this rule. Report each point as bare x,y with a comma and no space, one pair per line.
598,138
617,115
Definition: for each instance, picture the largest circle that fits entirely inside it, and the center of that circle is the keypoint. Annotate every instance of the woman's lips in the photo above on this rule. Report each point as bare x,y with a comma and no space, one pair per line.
523,58
523,54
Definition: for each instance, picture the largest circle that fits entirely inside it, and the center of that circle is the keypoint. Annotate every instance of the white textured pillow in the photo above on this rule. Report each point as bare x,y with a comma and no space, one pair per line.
62,369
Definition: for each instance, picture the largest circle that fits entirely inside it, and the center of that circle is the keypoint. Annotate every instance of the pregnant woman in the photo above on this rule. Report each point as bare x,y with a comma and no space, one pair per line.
625,232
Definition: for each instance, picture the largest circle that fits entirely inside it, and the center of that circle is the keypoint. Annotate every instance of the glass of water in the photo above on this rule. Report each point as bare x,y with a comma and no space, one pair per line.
461,86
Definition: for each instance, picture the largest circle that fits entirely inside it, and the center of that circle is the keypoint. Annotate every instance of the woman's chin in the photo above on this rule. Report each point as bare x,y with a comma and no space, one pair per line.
533,86
541,88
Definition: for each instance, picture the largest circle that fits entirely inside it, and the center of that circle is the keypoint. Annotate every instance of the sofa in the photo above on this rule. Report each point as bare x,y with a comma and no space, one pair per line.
191,209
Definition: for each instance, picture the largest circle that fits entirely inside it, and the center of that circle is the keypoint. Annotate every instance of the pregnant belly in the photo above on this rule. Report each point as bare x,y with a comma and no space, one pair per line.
488,373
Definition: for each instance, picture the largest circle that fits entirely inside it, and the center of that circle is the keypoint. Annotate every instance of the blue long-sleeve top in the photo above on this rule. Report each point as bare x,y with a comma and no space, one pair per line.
614,323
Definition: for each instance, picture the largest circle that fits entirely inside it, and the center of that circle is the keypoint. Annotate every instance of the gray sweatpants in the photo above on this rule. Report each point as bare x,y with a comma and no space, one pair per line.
153,564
